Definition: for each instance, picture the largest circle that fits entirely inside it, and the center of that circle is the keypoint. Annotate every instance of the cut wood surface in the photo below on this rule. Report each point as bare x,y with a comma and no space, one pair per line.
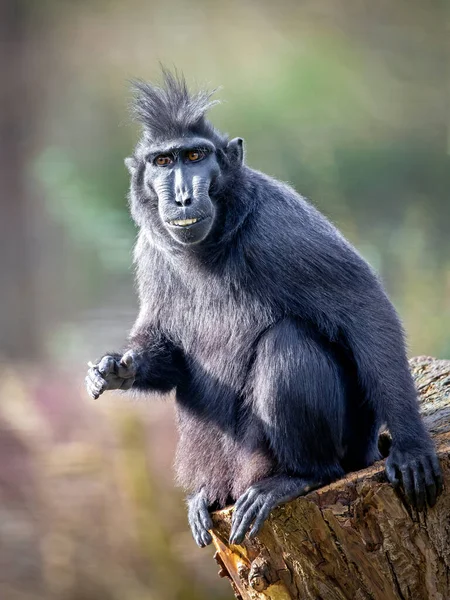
356,538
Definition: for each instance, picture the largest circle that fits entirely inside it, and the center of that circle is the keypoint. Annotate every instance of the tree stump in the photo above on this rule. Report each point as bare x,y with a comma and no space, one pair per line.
356,538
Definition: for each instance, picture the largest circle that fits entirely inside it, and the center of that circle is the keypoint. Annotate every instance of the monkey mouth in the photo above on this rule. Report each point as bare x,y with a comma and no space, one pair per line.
184,222
189,231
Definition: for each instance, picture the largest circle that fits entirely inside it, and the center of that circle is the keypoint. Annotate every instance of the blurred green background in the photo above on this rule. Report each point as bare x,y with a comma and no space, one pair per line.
346,100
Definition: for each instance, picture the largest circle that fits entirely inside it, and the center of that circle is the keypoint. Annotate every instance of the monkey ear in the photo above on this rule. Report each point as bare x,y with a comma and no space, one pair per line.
235,151
131,164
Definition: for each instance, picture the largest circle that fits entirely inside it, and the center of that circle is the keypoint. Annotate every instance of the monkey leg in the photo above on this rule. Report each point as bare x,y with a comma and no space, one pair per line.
297,392
199,518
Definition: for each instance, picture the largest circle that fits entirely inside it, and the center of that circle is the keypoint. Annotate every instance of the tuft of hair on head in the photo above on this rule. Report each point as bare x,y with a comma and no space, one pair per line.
170,110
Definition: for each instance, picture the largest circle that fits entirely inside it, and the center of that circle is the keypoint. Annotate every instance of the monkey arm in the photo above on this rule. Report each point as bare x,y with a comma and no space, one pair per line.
376,339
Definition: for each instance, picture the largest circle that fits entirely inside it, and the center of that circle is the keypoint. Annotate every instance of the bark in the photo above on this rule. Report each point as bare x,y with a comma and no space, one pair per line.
356,538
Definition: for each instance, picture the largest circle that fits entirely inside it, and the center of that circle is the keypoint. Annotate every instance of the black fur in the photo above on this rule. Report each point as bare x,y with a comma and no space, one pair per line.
285,352
171,111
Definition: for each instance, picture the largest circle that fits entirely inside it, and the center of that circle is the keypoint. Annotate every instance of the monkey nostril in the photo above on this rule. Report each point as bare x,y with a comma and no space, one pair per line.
184,201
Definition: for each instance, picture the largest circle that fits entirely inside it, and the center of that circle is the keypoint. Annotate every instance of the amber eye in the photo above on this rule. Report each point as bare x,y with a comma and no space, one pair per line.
163,160
194,155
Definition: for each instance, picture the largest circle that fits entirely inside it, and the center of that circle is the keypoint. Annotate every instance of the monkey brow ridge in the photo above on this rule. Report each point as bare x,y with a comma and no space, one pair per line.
175,146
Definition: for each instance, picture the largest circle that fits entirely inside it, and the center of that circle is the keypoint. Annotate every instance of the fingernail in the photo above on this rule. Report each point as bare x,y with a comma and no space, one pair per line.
126,360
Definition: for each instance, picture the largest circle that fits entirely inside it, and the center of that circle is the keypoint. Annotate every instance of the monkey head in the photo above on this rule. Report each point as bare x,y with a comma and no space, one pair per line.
180,164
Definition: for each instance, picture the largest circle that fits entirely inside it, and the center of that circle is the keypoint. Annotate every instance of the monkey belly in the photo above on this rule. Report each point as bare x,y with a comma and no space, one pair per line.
218,448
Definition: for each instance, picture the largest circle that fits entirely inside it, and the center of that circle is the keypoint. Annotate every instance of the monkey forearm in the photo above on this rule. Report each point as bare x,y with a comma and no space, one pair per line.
380,355
156,371
400,412
158,361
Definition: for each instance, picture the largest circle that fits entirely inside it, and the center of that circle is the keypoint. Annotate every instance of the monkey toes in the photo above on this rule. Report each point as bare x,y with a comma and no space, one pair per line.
200,519
255,504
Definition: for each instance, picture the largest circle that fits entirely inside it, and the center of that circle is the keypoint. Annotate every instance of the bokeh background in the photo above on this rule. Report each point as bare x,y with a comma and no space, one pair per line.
346,100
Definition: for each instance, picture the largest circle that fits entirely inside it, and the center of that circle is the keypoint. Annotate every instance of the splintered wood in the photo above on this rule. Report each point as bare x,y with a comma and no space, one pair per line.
355,539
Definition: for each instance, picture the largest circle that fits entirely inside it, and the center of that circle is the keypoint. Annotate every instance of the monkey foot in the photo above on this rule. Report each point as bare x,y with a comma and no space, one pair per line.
256,503
199,519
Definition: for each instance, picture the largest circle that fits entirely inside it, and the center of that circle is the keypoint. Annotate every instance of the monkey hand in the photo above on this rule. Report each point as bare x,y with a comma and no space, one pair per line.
419,473
112,372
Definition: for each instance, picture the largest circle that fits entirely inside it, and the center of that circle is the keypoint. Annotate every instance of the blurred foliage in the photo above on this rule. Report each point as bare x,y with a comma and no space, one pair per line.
87,512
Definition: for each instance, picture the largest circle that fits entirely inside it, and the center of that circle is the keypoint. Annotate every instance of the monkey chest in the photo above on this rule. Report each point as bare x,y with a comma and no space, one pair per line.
218,340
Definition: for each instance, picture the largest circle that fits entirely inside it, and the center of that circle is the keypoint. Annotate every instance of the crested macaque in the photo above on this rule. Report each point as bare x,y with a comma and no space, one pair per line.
284,351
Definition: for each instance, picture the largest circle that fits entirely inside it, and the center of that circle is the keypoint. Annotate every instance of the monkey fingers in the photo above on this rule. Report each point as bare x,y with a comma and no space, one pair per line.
421,477
433,470
392,473
107,366
433,480
407,475
111,373
96,384
419,486
126,368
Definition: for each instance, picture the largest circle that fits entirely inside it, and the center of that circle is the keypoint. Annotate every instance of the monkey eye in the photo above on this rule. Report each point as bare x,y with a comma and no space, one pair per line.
163,160
195,155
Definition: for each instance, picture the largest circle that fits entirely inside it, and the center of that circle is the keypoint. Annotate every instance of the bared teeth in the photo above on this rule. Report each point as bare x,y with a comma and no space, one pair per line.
183,222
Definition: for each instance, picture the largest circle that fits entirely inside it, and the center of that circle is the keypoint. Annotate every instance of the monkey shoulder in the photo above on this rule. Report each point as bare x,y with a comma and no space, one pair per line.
294,246
284,221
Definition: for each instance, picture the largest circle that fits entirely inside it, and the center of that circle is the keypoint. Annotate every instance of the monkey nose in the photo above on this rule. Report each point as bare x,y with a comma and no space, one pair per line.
184,200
